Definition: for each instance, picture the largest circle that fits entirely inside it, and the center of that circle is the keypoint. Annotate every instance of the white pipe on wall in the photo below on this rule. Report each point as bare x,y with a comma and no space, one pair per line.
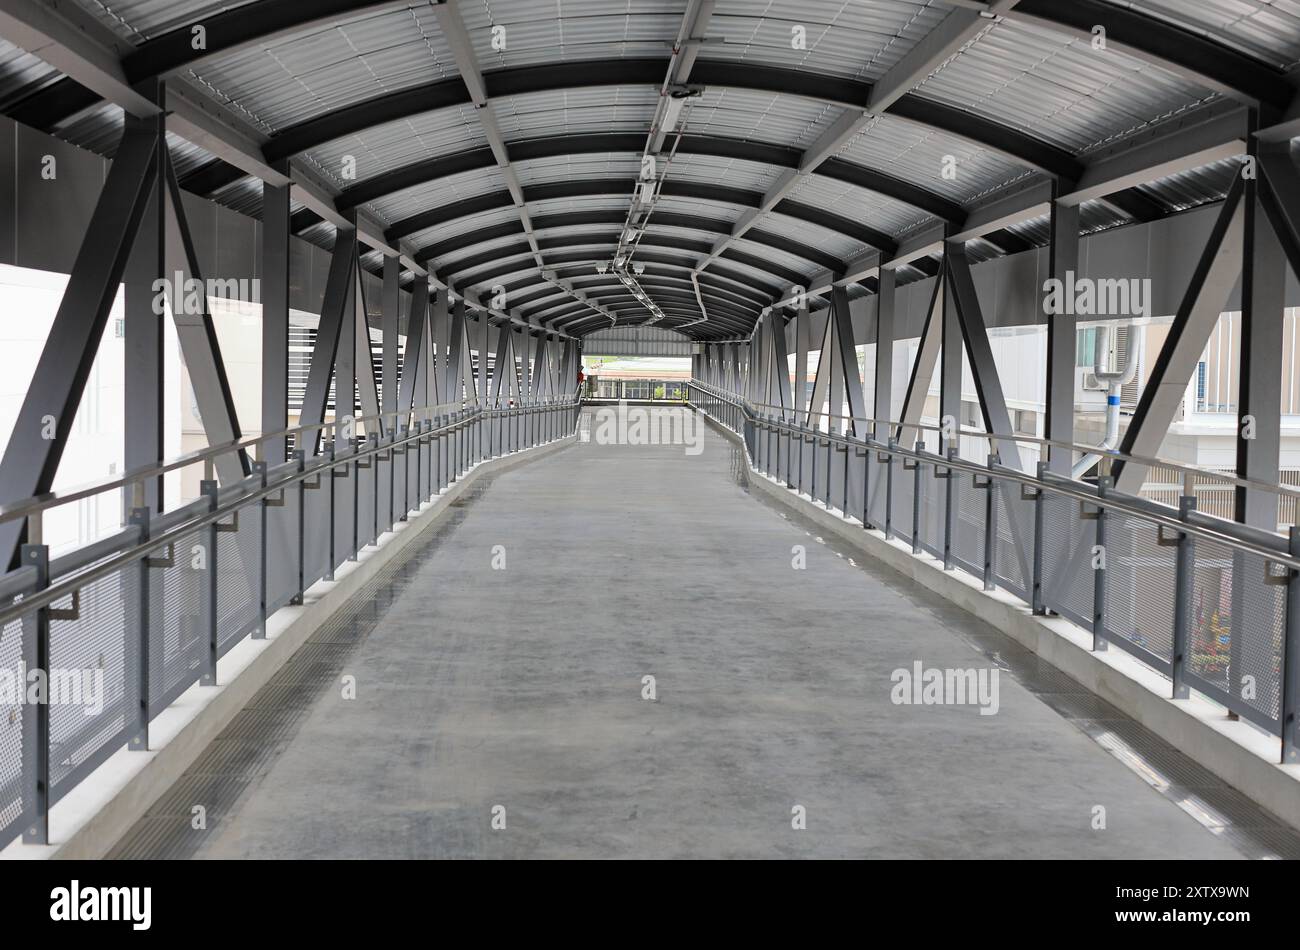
1115,382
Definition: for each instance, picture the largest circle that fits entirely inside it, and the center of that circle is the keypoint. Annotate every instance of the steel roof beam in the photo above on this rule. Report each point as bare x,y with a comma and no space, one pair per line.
733,281
586,219
587,187
647,280
959,27
428,170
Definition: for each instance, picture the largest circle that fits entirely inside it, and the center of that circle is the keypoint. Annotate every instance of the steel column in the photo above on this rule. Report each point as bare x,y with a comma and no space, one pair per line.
31,459
275,318
1063,259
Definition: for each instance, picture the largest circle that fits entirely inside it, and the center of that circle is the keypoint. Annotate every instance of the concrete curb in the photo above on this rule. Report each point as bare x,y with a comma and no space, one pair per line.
1237,753
94,816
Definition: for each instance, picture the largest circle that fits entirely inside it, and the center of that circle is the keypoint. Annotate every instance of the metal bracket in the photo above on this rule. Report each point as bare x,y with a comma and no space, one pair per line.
310,485
67,613
277,502
977,483
1277,580
944,474
1087,515
168,561
232,526
361,464
1164,540
883,457
911,466
335,473
1030,494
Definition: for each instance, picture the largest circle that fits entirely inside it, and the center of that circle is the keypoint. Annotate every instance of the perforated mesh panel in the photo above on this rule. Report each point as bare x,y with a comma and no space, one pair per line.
1067,559
282,551
857,464
344,505
934,505
366,504
1012,559
1140,575
1210,634
838,469
316,542
1260,617
11,731
968,523
98,653
901,515
879,489
238,567
177,633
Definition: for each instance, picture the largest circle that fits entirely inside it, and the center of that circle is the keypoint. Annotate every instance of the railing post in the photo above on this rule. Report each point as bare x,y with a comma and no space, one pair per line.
430,448
418,429
137,725
36,716
889,488
916,498
329,564
1291,658
1184,554
208,610
947,510
354,443
403,431
440,442
259,632
393,430
373,440
844,509
301,458
1099,642
991,526
866,483
803,437
830,455
1036,590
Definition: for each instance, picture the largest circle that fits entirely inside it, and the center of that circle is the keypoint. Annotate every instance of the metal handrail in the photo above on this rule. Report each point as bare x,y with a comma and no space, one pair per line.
1244,538
39,503
1143,460
70,585
1280,557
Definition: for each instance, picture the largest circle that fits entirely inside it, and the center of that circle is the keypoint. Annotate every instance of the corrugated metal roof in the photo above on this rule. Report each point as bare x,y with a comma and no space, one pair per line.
1266,29
1195,187
571,111
20,69
1033,79
544,31
1056,87
920,154
138,20
855,40
437,193
299,77
762,116
819,238
865,207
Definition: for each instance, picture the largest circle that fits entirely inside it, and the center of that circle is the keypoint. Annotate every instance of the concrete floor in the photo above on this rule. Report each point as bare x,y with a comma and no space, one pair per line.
523,688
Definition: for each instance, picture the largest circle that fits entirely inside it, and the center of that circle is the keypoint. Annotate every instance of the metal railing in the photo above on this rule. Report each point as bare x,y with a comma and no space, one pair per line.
1212,604
134,619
